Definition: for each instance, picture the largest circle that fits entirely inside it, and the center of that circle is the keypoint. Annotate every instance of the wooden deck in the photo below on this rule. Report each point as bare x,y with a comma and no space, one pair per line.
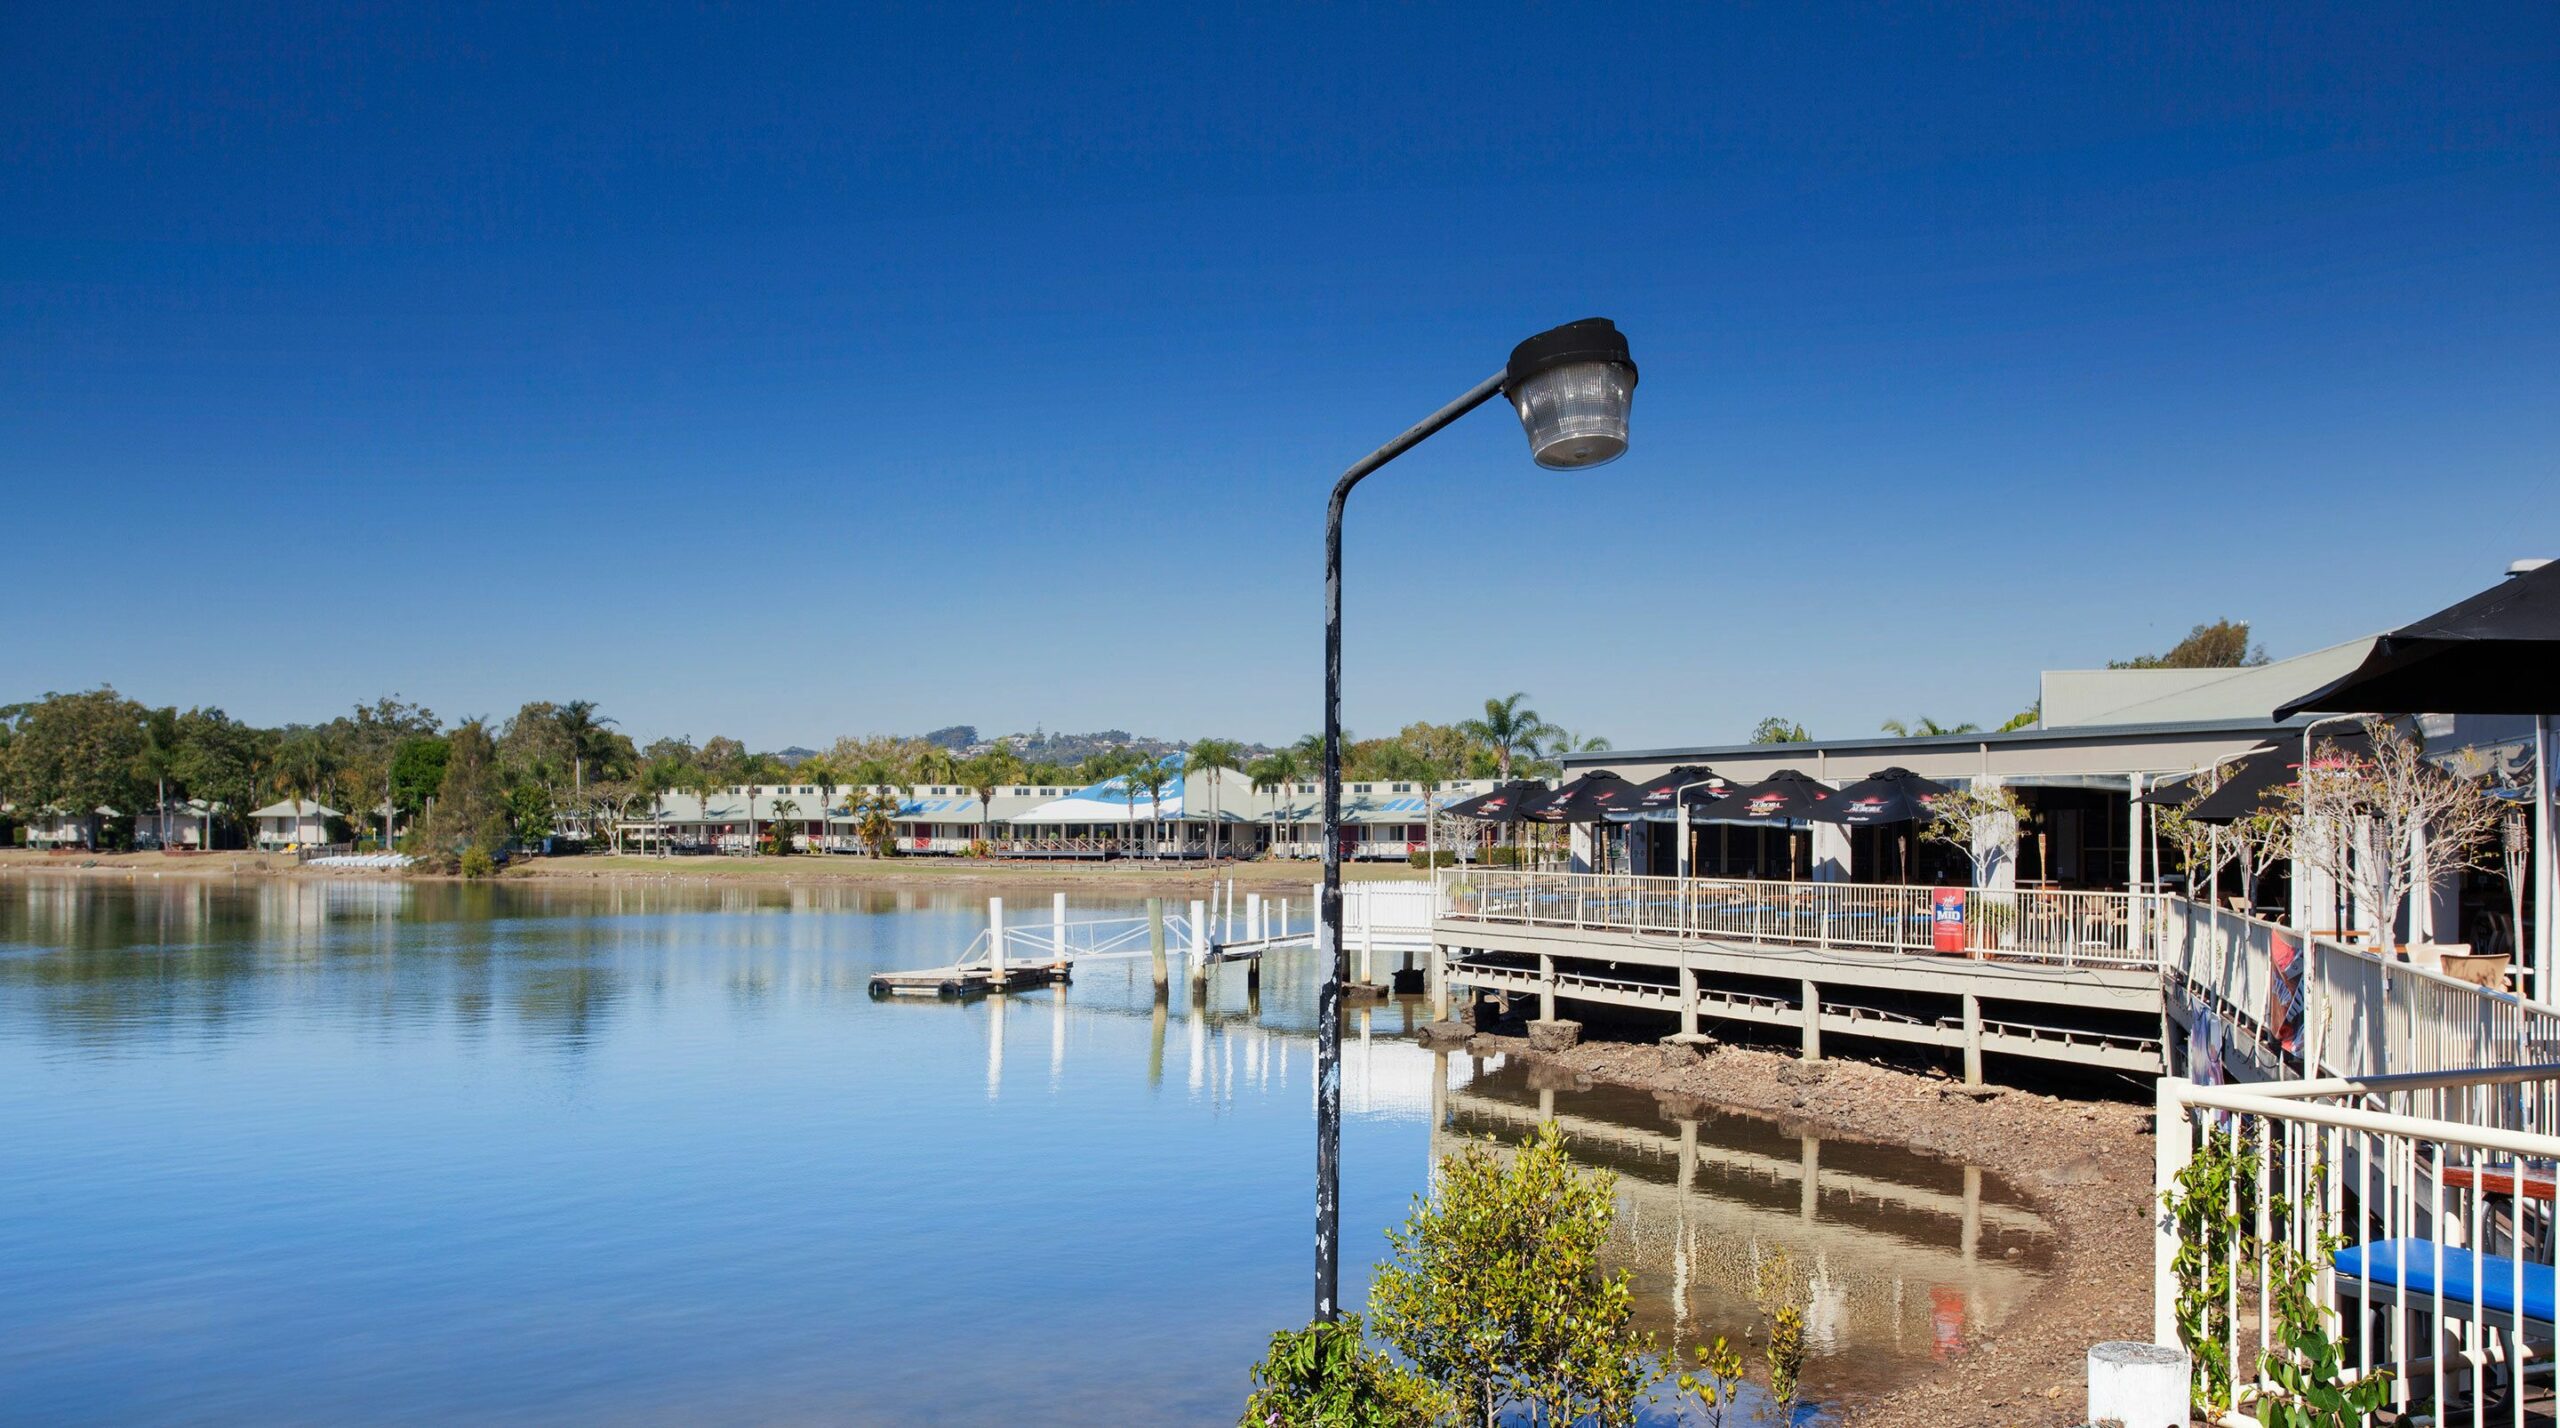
955,983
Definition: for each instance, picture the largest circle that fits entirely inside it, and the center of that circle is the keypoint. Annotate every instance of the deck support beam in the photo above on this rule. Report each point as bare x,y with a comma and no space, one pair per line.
1546,987
1972,1039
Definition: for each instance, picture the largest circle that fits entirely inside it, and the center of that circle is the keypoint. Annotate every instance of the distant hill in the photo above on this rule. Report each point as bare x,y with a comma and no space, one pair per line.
1039,745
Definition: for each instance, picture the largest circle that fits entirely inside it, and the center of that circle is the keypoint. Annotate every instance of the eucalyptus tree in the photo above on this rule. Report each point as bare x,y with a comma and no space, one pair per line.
1511,731
1208,756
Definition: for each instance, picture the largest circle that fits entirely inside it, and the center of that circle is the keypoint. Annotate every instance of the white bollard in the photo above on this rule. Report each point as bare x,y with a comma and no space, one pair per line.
1253,917
995,938
2138,1385
1058,926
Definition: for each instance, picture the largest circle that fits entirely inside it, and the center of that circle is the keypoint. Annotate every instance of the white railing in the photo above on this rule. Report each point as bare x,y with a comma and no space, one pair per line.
2404,1223
2102,929
2365,1015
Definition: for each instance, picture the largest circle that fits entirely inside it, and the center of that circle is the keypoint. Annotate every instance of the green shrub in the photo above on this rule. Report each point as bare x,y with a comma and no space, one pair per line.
1498,1297
1504,856
476,863
1435,858
1327,1376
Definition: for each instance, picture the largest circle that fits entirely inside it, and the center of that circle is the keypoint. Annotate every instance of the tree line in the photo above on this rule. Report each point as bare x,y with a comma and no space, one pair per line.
481,784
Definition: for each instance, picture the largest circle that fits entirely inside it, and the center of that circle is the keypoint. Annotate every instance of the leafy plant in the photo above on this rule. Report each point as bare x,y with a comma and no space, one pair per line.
2210,1209
1326,1376
1497,1296
1717,1380
476,863
2308,1372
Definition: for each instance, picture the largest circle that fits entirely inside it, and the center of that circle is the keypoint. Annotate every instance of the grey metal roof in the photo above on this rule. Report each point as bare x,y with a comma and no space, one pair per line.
1886,743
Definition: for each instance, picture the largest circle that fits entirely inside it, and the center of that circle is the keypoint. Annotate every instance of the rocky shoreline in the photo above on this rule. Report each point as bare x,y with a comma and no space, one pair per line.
2085,1164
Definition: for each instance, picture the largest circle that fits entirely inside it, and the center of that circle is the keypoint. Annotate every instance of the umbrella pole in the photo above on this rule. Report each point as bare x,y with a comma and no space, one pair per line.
2546,864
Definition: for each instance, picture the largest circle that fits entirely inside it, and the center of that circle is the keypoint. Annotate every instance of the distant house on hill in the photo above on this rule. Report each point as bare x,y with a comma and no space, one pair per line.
795,756
293,823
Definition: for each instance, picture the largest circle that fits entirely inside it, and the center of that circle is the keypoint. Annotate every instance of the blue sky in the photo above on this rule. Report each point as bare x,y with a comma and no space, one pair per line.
788,372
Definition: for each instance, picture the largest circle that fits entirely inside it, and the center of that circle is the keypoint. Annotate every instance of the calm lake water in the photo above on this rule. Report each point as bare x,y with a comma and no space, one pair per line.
289,1152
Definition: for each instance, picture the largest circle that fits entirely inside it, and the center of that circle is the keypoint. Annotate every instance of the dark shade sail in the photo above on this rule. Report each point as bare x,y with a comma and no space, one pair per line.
2495,653
1588,799
1894,795
1782,797
1505,804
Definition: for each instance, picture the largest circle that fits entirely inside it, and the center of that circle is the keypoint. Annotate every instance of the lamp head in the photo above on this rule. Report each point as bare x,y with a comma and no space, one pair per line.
1572,386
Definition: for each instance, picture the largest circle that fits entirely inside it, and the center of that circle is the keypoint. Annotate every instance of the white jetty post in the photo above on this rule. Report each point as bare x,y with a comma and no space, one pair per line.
2138,1385
1058,927
1199,947
1253,917
995,940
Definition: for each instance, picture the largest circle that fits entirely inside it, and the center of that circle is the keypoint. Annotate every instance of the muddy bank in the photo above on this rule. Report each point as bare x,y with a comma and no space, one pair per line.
2085,1164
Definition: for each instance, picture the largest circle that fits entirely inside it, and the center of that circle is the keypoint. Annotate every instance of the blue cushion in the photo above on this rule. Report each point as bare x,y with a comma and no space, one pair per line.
2411,1265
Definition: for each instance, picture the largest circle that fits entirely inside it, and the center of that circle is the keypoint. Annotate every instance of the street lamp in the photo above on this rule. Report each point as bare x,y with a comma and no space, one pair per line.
1572,386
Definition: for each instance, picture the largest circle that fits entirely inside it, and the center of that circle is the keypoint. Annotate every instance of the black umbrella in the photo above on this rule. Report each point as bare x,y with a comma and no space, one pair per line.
2184,789
1588,799
1655,795
1505,804
1783,796
2259,782
2495,653
1894,795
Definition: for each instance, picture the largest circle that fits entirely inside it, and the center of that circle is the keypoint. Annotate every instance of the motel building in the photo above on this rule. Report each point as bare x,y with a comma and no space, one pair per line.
1214,810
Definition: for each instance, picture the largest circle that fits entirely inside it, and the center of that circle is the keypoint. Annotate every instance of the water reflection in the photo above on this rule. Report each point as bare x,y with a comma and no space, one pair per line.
294,1149
1899,1257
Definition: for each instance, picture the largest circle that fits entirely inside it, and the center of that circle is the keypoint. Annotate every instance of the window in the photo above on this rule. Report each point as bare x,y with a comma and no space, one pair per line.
1403,788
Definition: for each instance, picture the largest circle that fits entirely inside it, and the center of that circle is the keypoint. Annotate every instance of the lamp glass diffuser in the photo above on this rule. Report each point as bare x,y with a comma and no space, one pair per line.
1576,413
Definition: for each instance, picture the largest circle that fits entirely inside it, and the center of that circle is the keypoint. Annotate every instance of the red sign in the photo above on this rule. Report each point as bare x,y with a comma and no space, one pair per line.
1946,919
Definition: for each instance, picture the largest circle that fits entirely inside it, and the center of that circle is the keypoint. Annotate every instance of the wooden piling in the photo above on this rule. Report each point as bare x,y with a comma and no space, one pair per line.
1155,946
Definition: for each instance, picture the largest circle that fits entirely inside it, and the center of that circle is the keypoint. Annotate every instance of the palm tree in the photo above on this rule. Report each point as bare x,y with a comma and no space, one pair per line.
1926,727
1276,771
981,776
1509,730
819,772
783,809
583,733
701,781
875,817
1207,756
1155,776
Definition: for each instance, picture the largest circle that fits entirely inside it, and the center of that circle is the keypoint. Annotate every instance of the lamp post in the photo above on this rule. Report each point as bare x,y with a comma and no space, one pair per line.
1572,386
